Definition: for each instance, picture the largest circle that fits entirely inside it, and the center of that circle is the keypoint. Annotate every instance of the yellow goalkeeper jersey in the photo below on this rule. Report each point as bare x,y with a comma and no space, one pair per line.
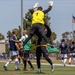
38,17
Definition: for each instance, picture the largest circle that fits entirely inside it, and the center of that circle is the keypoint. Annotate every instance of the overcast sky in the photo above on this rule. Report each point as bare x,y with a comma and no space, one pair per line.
61,14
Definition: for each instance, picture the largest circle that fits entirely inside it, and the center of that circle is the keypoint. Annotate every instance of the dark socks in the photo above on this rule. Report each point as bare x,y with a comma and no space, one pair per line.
29,62
24,62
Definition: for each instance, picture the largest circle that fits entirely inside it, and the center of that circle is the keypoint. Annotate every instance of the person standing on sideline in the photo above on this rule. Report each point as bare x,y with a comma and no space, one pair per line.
72,52
38,22
25,53
63,47
42,48
13,50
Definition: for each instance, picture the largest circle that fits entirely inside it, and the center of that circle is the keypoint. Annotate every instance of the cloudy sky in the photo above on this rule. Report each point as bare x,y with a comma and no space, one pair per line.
61,14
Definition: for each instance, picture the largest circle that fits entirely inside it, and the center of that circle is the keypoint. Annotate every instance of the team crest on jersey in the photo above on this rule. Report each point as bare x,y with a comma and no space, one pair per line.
71,46
63,45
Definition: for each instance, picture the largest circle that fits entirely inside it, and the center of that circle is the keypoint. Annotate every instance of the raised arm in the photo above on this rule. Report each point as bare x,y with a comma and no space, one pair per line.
32,9
49,8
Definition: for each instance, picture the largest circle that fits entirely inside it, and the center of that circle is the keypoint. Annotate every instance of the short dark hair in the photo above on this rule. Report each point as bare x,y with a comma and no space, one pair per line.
39,8
72,42
63,40
14,31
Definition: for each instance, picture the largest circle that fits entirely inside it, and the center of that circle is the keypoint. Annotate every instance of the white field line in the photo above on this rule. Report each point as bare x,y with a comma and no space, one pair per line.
49,64
57,64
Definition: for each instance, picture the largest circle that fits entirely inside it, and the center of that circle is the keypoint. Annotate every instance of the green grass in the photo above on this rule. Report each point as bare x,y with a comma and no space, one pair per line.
46,70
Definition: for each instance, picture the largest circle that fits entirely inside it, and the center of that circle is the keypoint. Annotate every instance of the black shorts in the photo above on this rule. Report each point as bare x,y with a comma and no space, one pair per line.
25,54
20,53
37,28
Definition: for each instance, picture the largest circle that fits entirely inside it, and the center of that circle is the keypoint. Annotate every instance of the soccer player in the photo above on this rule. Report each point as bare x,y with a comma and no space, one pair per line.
13,50
42,48
63,47
38,22
25,53
72,52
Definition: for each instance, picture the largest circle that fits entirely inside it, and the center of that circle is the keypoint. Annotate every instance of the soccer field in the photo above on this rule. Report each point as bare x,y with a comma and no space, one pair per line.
45,68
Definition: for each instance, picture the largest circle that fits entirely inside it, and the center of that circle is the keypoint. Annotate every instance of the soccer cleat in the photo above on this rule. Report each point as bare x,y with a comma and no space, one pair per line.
17,69
5,67
52,68
38,72
24,69
64,65
31,69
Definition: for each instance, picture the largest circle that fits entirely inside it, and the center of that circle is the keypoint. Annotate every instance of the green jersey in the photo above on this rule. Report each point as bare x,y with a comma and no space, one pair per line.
27,46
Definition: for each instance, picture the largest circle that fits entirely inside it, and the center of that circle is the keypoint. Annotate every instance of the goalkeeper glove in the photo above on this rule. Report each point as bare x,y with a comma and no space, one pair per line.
51,3
36,5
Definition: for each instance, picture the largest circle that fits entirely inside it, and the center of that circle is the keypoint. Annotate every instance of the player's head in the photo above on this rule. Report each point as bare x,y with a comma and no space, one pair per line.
25,32
40,8
14,31
63,40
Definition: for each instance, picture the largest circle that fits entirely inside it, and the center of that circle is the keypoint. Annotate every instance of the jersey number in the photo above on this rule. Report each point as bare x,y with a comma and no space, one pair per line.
36,14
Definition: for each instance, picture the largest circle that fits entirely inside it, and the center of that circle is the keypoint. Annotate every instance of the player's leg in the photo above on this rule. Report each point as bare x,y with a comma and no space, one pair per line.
74,58
28,60
16,60
65,59
20,56
6,65
9,61
30,35
70,58
46,55
24,61
62,59
16,63
41,31
25,64
38,55
31,66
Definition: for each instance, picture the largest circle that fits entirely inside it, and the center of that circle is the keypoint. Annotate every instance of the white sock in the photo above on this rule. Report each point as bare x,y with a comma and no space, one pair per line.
16,63
39,69
9,61
69,60
62,61
74,60
65,61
